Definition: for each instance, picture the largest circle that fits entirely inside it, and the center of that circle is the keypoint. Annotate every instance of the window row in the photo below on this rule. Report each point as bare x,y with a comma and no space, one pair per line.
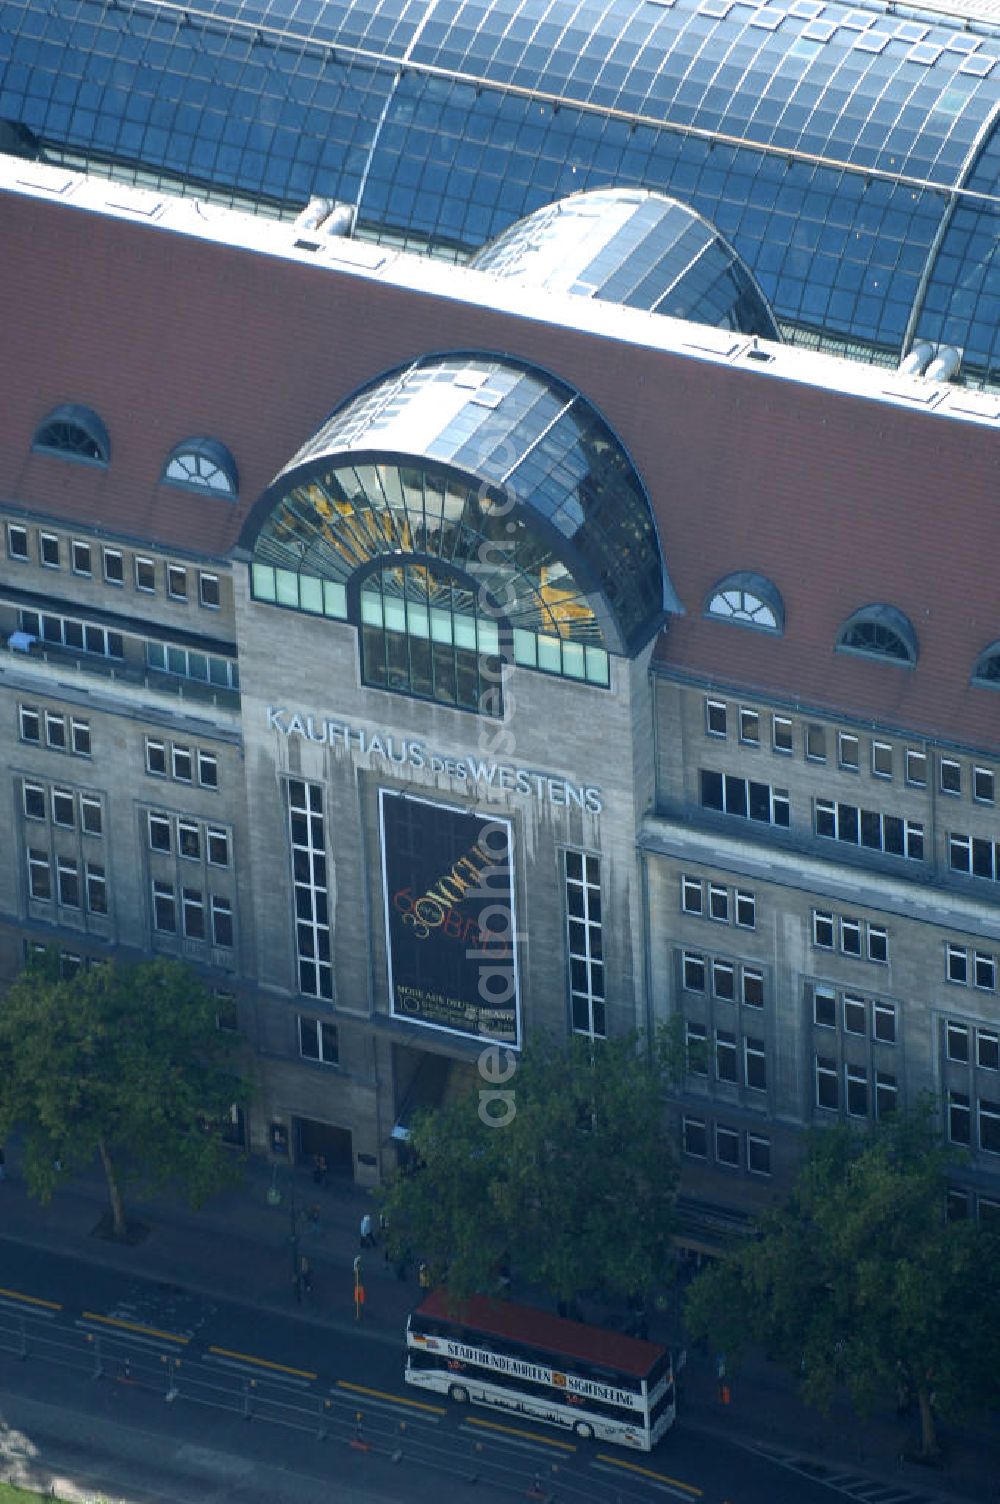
189,838
852,1087
84,559
854,937
307,831
977,857
585,943
969,1205
740,1062
180,762
65,807
962,1110
729,979
744,797
863,1017
971,968
188,663
733,1147
73,885
70,632
751,724
75,432
966,1044
61,733
870,828
192,916
715,901
69,962
318,1040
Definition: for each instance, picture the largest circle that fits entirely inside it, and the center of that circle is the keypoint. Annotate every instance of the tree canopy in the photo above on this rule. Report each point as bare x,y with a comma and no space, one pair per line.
124,1062
858,1280
572,1189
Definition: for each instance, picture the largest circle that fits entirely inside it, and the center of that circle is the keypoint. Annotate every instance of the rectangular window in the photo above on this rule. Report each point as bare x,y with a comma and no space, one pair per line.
886,1094
695,1138
827,1086
193,906
222,921
318,1040
55,731
218,846
694,972
857,1091
825,1007
724,980
228,1017
816,743
725,1056
746,909
189,840
145,575
715,717
114,566
959,1118
850,936
181,764
985,971
959,853
80,557
882,759
39,875
80,737
884,1022
983,785
208,591
164,908
97,889
159,832
878,943
308,851
957,1042
956,1206
951,776
68,878
17,542
156,758
849,751
916,768
738,796
48,548
988,1049
781,733
823,933
208,770
691,895
755,1064
697,1049
914,841
91,815
727,1146
855,1014
718,902
29,724
753,987
989,1126
177,582
758,1154
34,801
750,728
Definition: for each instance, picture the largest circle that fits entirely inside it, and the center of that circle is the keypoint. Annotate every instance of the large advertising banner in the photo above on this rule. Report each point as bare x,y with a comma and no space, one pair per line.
448,884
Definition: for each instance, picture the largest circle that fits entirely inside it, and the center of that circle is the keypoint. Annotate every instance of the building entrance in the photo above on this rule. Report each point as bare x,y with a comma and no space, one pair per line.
312,1137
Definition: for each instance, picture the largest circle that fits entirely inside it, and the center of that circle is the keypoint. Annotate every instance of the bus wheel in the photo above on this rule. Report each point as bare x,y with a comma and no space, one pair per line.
458,1394
582,1430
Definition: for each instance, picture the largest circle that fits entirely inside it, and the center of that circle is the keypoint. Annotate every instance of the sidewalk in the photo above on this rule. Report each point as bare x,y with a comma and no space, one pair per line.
239,1246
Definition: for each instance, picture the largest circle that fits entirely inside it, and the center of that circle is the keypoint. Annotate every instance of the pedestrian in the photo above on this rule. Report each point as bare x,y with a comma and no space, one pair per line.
367,1231
424,1275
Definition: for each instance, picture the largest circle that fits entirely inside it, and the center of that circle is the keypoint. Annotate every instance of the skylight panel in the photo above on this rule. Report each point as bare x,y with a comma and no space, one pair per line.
980,66
910,31
924,52
961,44
873,41
809,8
769,17
819,31
717,8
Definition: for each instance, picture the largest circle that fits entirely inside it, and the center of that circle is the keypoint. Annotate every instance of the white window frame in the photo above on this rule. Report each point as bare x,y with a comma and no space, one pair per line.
79,733
984,964
746,909
949,768
757,1141
724,1132
827,995
815,732
856,1075
315,1026
44,542
752,974
851,1004
849,926
162,890
953,1030
988,777
699,1126
222,910
914,758
212,581
846,740
179,754
205,760
749,727
19,555
825,1069
754,1048
781,728
79,550
880,1012
116,554
691,895
25,715
90,805
155,749
881,753
717,710
824,923
141,563
880,935
173,571
216,836
718,898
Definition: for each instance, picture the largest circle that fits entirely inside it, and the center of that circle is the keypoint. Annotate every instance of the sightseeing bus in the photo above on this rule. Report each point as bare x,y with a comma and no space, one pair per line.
590,1381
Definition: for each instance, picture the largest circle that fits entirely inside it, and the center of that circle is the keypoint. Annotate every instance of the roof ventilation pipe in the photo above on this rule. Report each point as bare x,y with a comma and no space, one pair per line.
340,221
945,364
918,359
313,215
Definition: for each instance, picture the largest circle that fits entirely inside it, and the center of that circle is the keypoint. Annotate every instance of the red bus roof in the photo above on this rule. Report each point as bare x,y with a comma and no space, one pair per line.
570,1339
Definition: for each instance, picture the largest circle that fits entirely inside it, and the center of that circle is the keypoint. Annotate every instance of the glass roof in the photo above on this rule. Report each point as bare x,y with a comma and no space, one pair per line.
490,466
816,136
641,249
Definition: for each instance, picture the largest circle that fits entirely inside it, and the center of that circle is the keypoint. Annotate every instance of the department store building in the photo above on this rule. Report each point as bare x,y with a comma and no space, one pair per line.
495,506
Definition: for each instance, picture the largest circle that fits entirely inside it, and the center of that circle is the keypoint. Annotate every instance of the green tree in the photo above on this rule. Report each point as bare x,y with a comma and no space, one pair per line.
575,1192
125,1062
858,1280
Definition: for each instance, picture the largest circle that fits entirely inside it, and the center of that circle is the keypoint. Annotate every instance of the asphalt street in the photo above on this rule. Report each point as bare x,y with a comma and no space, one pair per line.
148,1392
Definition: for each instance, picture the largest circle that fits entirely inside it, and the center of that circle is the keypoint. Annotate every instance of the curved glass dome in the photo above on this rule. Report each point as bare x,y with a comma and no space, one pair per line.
495,472
848,154
641,249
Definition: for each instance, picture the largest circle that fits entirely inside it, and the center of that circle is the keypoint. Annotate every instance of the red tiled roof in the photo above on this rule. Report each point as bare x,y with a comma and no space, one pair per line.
839,500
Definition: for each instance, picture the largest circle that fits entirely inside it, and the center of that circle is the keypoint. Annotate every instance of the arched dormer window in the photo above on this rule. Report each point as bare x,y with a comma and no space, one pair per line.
987,669
202,465
74,433
879,632
748,599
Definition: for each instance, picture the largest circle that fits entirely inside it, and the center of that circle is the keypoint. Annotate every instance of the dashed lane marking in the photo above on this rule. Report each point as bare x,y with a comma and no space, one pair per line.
30,1300
688,1490
234,1357
395,1399
492,1425
133,1326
